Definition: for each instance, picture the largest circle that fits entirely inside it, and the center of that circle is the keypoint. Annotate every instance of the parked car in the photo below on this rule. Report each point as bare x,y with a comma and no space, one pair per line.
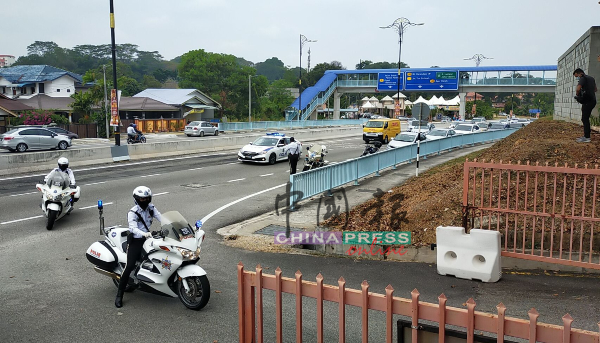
495,126
463,129
26,138
439,134
413,126
200,128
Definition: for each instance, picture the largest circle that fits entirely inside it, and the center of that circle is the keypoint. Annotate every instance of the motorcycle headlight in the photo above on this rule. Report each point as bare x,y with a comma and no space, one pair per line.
57,197
189,255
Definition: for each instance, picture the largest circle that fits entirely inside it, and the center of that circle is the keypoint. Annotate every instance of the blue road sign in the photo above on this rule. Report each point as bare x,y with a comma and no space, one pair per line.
534,111
439,80
389,81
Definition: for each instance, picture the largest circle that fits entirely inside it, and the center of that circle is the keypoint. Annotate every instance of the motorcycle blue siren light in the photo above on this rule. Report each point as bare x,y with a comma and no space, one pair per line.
198,224
100,204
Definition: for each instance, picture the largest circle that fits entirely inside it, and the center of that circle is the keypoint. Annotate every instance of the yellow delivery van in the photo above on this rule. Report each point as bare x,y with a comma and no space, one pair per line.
383,130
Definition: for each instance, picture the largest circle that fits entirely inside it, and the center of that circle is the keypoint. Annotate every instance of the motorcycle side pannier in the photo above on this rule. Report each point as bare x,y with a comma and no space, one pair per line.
101,255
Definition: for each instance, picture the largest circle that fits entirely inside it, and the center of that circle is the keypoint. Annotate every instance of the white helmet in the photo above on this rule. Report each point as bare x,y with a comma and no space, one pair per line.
63,163
142,196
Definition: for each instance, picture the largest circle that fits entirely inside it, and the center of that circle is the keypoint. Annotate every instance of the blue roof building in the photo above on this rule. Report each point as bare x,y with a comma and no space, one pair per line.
27,81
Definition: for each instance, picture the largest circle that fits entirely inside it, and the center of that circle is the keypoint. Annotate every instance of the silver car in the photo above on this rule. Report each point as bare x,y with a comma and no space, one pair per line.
25,138
200,128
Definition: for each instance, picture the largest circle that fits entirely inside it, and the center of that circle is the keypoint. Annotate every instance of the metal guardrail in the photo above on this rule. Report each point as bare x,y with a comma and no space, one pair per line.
306,184
288,124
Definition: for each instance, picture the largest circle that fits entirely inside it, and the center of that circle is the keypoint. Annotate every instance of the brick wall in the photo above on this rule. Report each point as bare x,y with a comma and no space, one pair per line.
582,54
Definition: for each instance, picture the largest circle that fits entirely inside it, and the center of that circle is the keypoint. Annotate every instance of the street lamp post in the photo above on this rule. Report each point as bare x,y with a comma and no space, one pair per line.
303,40
399,25
250,97
114,68
477,58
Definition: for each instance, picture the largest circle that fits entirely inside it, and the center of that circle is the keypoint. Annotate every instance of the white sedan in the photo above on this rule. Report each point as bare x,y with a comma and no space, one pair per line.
465,129
439,134
404,139
265,149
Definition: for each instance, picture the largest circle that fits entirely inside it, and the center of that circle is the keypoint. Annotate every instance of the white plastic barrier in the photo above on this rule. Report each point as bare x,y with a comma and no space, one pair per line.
468,256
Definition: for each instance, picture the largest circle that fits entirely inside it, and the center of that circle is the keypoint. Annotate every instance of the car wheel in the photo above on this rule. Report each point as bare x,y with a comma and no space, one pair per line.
272,159
63,145
216,132
189,135
201,133
21,147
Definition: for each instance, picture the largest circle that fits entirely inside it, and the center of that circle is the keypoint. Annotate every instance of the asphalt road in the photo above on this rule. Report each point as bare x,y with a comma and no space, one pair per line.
50,293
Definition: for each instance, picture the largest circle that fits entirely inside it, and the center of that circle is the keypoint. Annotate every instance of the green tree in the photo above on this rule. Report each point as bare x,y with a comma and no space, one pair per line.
272,68
318,71
151,82
277,100
83,103
129,86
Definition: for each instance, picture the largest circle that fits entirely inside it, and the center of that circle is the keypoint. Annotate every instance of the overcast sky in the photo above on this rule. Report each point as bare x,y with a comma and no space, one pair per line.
513,32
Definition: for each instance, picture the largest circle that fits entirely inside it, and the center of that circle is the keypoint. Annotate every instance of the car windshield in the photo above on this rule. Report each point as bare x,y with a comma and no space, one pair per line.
463,128
371,123
478,119
174,225
265,141
58,179
194,123
497,126
405,138
441,133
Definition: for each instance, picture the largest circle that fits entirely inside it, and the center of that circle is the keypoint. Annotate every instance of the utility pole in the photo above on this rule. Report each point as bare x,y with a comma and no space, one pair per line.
114,68
477,58
303,40
106,113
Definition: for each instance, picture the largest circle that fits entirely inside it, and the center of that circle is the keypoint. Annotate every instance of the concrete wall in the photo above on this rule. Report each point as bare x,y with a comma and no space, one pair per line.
12,163
582,54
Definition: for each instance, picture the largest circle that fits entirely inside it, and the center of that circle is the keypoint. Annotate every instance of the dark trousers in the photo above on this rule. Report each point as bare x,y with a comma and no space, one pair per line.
586,112
134,251
293,158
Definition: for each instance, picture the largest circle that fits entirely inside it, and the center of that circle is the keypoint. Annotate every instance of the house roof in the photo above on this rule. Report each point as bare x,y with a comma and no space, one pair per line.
176,96
12,106
35,73
45,102
143,104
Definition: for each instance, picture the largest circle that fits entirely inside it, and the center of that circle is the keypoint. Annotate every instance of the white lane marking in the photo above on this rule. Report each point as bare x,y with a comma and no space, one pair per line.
95,183
208,216
16,195
237,180
150,175
118,165
196,168
287,171
20,220
103,204
233,163
157,194
266,175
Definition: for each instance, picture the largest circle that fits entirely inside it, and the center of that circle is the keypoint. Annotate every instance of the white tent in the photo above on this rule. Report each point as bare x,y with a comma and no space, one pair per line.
402,96
365,99
407,102
437,102
453,102
433,101
419,100
374,99
367,105
387,98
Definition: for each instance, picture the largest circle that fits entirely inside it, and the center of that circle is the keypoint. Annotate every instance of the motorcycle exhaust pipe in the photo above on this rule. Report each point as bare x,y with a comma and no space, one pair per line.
107,273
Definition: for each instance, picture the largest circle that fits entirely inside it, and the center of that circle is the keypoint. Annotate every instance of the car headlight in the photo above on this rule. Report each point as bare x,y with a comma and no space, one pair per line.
264,151
189,255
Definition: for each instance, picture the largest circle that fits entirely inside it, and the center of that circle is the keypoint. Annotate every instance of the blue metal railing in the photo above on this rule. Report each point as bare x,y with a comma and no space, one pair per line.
287,124
307,184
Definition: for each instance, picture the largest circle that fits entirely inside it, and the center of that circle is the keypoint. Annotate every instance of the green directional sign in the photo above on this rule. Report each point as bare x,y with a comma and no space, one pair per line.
445,75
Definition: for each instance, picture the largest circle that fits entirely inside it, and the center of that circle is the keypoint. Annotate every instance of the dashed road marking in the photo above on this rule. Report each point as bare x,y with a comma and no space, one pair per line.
150,175
237,180
19,220
95,183
163,193
16,195
266,175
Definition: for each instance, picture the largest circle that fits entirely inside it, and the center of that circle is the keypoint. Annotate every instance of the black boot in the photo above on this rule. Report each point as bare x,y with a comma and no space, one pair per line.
119,299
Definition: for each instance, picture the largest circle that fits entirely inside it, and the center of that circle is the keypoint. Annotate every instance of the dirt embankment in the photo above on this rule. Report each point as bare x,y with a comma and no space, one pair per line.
435,197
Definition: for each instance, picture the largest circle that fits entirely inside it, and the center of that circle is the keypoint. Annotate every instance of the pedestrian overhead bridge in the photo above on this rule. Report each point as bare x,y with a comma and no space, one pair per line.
461,80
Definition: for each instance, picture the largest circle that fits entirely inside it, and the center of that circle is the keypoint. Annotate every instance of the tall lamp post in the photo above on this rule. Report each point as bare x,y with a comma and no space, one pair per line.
303,40
114,68
477,58
250,97
399,25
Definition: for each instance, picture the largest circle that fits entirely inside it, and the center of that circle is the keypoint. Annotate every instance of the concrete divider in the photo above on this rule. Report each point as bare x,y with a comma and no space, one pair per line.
11,163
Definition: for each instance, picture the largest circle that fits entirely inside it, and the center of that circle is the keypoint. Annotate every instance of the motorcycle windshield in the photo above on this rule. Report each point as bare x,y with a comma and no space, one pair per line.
175,226
57,179
316,149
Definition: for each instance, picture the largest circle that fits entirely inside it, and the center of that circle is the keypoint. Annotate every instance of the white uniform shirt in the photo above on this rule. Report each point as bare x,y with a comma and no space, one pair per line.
131,130
68,173
294,148
135,225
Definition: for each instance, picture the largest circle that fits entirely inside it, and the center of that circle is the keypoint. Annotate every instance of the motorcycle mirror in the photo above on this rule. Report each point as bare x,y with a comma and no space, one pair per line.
164,232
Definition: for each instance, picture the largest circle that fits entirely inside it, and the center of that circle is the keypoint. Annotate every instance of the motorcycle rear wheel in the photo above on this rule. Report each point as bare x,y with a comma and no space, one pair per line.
199,293
51,219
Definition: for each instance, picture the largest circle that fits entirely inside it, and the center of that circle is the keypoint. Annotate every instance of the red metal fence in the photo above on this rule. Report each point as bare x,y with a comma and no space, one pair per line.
544,213
250,312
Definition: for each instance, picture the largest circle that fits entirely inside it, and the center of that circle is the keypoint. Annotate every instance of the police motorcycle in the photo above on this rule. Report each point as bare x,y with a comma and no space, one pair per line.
315,157
371,149
168,262
57,197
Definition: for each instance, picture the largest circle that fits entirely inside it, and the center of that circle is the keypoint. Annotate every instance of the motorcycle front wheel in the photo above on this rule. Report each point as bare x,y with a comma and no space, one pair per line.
51,219
306,168
143,139
198,295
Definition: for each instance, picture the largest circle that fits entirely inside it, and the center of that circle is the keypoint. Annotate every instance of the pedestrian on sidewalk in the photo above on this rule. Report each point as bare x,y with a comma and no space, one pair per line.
293,151
586,96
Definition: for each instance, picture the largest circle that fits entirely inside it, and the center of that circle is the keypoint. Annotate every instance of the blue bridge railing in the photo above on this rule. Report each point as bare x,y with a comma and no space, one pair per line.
287,124
307,184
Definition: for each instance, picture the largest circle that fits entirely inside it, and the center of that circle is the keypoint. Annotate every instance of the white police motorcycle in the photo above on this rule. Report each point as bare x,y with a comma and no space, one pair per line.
168,262
57,197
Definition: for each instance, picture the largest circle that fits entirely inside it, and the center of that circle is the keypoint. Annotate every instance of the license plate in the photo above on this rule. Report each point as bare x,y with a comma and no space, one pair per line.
248,157
371,134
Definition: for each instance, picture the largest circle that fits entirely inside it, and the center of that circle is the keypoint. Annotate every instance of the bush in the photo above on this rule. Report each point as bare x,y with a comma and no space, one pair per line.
38,118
